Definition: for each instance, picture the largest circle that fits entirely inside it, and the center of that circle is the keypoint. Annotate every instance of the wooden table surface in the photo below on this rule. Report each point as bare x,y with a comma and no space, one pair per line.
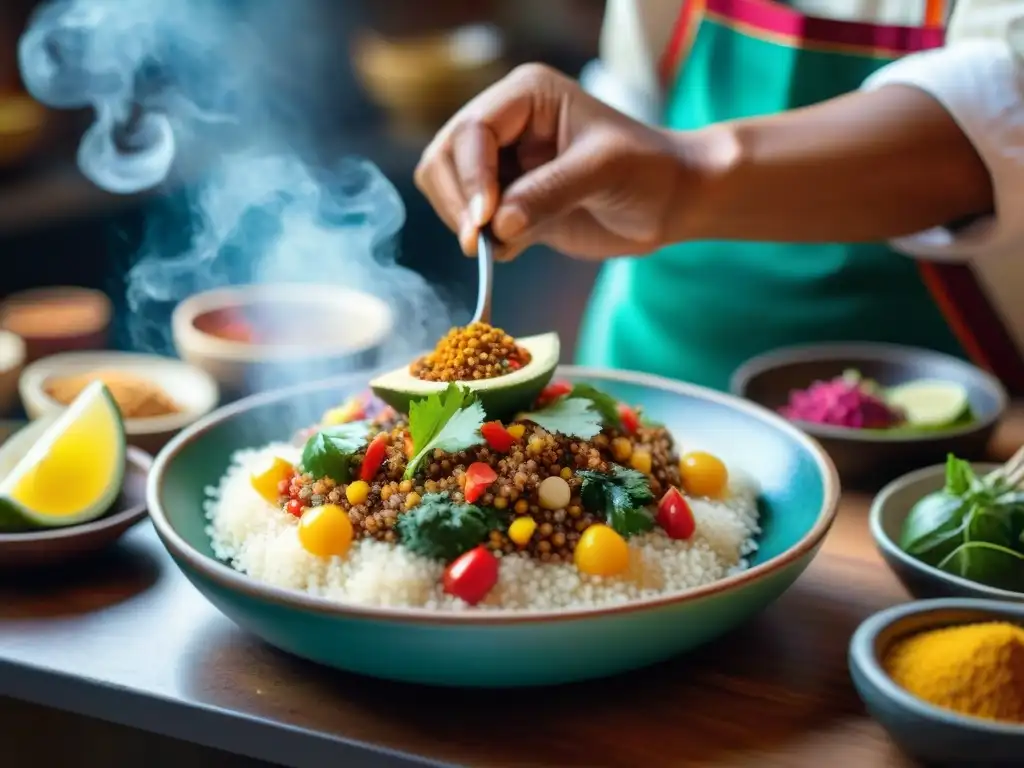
773,693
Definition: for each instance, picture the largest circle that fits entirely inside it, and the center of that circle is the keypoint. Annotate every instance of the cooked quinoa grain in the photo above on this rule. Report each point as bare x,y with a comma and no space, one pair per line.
477,351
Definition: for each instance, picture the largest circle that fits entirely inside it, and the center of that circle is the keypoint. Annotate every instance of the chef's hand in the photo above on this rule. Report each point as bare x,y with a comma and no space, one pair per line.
593,183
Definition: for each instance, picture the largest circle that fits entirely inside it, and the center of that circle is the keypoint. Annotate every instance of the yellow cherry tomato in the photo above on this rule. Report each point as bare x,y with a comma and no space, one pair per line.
641,461
703,474
601,552
325,531
357,492
521,530
267,484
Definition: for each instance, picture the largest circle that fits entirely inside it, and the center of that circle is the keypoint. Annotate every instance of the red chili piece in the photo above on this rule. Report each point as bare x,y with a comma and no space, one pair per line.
478,477
472,575
675,515
375,454
497,436
553,391
294,507
629,419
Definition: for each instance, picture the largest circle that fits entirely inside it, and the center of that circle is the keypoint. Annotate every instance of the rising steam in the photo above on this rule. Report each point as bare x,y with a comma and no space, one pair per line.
218,86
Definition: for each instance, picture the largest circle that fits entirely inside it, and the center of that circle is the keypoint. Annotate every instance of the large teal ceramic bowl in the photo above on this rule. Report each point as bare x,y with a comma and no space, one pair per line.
800,493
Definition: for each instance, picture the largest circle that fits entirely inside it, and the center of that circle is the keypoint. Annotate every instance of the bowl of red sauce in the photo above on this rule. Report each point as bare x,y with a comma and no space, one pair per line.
252,338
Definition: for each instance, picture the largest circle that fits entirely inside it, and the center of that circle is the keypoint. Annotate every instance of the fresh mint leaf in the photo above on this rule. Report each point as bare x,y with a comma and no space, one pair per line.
450,420
329,452
603,403
621,496
441,529
569,416
960,478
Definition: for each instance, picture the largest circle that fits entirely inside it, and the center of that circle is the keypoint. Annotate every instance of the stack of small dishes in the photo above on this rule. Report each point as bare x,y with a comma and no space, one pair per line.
69,484
879,410
159,395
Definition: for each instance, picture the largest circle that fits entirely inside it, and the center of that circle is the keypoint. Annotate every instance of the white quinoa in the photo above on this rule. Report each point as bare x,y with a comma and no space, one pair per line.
261,541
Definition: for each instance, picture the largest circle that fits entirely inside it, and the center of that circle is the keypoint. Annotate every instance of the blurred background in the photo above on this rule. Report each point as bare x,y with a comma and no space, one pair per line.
394,71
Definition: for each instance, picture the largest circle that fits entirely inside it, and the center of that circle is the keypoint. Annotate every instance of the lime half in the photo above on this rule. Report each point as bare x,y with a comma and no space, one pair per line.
72,473
930,403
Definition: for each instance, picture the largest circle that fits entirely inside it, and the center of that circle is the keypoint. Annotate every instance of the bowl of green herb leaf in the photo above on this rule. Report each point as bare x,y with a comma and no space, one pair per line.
955,529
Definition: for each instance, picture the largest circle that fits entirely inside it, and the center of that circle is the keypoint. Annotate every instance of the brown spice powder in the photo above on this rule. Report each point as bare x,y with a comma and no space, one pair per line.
136,397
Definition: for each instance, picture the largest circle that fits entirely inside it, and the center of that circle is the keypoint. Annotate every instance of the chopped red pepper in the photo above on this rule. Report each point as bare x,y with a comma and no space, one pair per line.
675,515
294,507
375,454
478,477
472,575
499,438
553,391
629,419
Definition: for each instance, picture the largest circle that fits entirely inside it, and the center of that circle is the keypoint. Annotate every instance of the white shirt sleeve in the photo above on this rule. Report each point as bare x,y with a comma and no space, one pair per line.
980,85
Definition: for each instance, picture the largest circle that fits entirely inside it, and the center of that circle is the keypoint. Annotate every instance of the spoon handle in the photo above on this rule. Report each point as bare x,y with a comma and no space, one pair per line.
485,284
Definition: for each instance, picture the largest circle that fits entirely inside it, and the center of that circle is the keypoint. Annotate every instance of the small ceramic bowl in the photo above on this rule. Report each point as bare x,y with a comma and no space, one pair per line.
888,511
258,337
869,456
38,549
931,734
58,319
423,81
191,388
12,361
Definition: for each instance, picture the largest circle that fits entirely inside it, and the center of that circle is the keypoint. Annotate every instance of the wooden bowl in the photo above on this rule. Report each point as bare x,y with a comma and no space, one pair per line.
422,81
874,456
59,319
192,388
342,331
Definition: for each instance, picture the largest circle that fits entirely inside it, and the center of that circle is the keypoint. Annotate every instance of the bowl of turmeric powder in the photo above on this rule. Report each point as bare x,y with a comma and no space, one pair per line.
945,678
158,396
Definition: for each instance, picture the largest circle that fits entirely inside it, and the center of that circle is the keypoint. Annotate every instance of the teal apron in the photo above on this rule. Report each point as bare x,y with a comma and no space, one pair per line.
695,311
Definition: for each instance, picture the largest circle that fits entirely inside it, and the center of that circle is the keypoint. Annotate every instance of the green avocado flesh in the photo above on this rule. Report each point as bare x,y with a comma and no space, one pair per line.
501,396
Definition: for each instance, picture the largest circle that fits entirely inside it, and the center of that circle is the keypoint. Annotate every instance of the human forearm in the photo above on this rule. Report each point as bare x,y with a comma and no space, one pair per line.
868,166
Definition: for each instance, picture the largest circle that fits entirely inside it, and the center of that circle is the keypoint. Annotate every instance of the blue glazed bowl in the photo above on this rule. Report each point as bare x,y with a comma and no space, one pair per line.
800,492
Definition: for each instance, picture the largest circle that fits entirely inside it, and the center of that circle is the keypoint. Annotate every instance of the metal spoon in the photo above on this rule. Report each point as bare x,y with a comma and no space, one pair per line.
485,284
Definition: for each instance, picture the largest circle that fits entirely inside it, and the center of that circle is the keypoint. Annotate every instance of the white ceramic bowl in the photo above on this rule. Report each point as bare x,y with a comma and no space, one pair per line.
351,328
191,388
12,360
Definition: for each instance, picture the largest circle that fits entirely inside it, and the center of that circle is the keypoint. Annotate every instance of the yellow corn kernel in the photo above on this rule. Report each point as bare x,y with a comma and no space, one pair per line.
516,430
641,461
566,473
521,530
357,492
622,449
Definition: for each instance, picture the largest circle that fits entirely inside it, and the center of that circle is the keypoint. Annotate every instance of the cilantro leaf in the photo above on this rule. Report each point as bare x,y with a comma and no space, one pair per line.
441,529
621,496
602,402
569,416
328,452
450,420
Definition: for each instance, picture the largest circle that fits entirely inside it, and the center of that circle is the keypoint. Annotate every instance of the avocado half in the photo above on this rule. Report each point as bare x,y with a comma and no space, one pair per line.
501,396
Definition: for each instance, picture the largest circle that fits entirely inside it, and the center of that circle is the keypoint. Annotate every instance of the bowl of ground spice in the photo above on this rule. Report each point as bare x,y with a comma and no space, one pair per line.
57,319
157,396
945,678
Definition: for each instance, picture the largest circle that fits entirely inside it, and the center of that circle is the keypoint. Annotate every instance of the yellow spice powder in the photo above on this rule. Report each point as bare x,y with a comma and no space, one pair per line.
974,669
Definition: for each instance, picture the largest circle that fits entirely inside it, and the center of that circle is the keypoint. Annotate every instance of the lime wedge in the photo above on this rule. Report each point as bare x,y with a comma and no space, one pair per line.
72,473
929,403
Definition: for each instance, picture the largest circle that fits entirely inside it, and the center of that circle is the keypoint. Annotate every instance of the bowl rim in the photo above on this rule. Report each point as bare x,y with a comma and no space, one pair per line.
882,351
101,299
228,578
188,337
892,549
136,457
862,655
37,373
18,348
